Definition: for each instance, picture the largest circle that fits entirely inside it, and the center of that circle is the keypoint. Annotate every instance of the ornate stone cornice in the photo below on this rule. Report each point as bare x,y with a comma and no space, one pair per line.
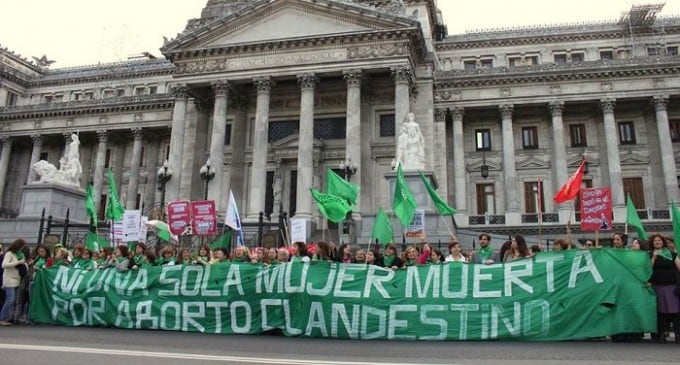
220,88
352,78
449,81
607,105
263,85
556,108
88,107
106,72
660,102
307,81
506,110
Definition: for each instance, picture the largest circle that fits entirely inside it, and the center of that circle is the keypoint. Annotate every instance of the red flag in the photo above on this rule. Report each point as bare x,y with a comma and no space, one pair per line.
570,189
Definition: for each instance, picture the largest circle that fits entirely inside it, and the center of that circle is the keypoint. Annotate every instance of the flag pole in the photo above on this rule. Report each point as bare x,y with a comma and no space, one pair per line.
447,227
539,202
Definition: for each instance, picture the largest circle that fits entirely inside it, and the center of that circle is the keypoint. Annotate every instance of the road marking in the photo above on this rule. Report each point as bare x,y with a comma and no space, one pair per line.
171,355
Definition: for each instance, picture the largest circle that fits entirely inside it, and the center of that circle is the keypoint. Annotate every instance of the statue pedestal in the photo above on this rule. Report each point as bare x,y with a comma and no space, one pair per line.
56,200
415,183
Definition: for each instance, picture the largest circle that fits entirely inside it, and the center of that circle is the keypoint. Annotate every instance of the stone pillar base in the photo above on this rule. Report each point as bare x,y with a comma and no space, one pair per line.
619,213
513,218
56,200
566,214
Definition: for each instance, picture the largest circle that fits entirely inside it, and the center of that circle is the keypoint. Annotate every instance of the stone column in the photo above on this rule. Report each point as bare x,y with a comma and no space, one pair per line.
177,141
305,165
402,83
238,146
219,127
258,170
133,181
560,154
612,140
666,146
153,147
353,130
35,157
100,162
4,164
459,170
509,169
3,96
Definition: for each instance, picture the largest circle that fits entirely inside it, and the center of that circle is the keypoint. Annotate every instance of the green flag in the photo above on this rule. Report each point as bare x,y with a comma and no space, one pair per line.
382,228
338,186
114,210
333,207
404,204
95,242
633,219
675,215
442,207
223,241
89,205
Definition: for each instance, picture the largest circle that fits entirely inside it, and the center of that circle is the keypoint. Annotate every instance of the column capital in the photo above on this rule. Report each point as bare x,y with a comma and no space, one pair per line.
263,84
352,77
180,91
402,75
607,105
221,88
440,115
36,139
137,133
458,112
6,140
556,108
67,136
307,81
102,135
506,110
660,102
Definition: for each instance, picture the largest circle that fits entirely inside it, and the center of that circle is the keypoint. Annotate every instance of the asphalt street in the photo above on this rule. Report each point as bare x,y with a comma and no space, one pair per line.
50,345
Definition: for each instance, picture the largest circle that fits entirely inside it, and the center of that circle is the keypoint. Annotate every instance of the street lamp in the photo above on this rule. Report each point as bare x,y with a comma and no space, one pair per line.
484,168
348,168
164,175
207,174
585,161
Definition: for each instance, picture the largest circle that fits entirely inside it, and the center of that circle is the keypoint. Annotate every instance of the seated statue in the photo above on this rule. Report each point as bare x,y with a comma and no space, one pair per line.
69,171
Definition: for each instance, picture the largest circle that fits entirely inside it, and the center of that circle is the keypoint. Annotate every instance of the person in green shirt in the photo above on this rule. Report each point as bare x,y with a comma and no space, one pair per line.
139,258
86,262
485,255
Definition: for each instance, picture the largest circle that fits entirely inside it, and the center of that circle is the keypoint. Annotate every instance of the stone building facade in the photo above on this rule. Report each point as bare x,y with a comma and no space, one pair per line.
276,92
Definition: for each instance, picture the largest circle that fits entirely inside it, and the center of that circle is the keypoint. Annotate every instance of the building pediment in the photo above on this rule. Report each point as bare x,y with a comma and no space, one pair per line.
533,163
279,20
292,142
633,158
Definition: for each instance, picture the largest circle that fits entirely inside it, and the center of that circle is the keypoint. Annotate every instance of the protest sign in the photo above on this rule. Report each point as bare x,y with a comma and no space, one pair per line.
179,216
204,217
596,209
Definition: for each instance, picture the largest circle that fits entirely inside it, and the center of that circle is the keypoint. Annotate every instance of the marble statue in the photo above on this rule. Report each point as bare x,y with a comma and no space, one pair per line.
69,171
411,145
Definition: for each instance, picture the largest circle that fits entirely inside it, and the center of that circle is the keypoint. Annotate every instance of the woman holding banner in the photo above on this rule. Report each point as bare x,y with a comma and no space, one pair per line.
664,280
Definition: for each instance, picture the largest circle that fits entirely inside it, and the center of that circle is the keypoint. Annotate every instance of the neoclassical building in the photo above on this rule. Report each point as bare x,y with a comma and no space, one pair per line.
275,92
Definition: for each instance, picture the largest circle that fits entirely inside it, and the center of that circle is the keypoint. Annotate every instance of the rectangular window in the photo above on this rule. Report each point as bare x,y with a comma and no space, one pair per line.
633,186
88,95
387,125
269,194
577,57
470,65
652,51
531,60
606,55
626,133
153,89
577,132
58,98
514,61
12,99
47,99
141,158
107,160
108,94
530,138
77,96
487,63
674,126
672,51
120,92
140,90
44,156
483,139
533,197
227,135
486,199
560,59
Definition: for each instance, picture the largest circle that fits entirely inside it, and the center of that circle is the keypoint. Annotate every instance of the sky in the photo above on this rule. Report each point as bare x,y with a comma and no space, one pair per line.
86,32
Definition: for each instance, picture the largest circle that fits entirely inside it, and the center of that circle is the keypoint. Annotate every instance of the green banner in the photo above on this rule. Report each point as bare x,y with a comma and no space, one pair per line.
554,296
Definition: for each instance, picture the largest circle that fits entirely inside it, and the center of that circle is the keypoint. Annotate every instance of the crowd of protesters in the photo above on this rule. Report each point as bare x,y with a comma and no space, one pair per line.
19,265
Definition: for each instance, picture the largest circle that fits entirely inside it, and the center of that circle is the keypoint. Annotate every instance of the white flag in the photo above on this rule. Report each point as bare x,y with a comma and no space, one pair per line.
232,218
